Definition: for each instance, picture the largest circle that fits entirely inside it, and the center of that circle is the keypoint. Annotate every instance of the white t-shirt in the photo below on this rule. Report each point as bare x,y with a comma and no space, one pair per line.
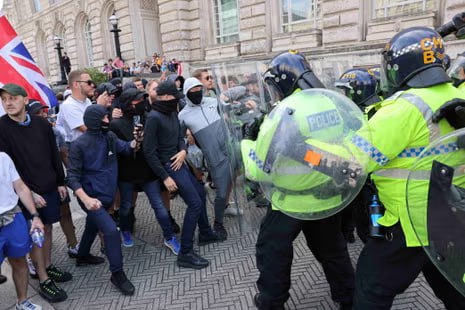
71,117
8,175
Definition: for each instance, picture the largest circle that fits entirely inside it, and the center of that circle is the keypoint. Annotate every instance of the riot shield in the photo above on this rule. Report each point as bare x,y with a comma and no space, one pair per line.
436,204
241,98
306,151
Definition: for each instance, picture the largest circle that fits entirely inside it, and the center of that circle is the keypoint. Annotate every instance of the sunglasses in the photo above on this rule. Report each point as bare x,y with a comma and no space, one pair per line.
89,82
208,78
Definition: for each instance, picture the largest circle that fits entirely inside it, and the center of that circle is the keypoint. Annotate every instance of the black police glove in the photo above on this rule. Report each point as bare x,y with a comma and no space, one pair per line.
250,130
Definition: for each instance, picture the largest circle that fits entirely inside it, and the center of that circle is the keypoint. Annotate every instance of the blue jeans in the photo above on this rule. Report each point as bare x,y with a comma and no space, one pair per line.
100,220
153,192
193,194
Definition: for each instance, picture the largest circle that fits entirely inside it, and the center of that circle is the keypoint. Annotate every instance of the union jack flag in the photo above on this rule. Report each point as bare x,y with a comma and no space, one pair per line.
18,66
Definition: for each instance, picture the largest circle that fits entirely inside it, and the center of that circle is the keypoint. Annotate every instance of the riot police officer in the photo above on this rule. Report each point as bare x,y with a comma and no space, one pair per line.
288,74
416,84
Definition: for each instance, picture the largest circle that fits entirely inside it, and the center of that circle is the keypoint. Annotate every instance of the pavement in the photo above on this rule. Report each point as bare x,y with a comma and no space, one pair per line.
228,283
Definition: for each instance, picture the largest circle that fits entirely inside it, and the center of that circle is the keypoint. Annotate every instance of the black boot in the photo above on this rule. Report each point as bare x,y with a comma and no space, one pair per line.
266,306
120,280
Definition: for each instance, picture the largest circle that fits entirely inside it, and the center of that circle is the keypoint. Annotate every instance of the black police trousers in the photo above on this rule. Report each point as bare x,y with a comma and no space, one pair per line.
274,254
386,267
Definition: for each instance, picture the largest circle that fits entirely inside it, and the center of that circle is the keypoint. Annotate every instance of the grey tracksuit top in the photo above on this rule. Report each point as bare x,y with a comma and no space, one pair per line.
204,122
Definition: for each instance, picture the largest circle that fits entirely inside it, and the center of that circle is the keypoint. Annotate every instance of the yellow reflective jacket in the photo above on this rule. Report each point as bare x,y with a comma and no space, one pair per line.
399,131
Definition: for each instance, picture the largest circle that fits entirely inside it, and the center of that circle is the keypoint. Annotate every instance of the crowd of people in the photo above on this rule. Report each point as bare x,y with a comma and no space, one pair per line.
168,137
156,64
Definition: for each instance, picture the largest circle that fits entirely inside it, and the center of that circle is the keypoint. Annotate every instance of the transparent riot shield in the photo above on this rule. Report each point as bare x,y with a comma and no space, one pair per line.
306,148
436,205
242,98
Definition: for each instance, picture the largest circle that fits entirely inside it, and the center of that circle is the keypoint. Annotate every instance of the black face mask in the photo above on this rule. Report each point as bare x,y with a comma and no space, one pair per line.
139,109
195,97
166,106
104,126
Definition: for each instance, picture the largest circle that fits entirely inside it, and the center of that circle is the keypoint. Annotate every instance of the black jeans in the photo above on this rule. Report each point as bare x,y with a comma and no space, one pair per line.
275,253
193,194
387,268
100,220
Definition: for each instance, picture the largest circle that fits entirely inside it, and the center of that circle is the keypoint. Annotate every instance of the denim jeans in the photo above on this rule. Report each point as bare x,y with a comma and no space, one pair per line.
193,194
100,220
153,192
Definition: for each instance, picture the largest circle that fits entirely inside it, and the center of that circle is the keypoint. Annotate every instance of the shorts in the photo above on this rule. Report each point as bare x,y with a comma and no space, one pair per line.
15,241
51,212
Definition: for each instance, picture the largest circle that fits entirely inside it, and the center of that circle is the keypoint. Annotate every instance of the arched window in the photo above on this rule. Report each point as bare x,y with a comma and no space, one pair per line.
88,42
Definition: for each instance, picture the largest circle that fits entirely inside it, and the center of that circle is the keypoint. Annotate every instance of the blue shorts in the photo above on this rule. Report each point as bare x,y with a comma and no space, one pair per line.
51,212
15,241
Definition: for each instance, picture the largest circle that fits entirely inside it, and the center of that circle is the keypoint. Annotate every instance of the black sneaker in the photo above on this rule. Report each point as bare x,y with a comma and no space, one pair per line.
89,260
120,280
220,231
174,225
58,275
210,238
262,306
51,292
192,260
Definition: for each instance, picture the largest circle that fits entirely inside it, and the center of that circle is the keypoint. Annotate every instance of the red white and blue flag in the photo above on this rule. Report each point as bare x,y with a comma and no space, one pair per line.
17,66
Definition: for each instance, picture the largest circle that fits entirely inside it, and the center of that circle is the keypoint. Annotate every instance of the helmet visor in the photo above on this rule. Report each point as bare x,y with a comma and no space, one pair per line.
273,87
383,78
457,69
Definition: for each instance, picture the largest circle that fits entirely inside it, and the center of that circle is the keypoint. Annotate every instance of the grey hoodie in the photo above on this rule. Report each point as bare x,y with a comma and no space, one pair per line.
206,125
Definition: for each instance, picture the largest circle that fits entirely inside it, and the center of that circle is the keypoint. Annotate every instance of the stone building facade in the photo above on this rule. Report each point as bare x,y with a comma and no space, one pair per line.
334,34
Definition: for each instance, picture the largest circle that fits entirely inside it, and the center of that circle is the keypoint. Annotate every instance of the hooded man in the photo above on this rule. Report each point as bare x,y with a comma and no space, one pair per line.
165,151
201,117
134,172
92,175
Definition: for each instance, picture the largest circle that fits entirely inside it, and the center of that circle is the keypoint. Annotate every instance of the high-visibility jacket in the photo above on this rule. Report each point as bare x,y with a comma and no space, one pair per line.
297,188
399,131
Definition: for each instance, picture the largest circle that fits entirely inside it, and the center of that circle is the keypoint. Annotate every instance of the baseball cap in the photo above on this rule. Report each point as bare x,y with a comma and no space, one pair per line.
13,89
106,87
168,87
34,106
132,94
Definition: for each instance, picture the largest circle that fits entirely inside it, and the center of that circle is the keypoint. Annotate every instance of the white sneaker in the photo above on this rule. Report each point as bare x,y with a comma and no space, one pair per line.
27,305
233,211
31,267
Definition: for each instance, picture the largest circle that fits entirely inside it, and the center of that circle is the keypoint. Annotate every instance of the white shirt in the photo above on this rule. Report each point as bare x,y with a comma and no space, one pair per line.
71,117
8,175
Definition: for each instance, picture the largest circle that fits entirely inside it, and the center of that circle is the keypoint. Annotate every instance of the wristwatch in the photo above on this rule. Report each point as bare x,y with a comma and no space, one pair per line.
35,214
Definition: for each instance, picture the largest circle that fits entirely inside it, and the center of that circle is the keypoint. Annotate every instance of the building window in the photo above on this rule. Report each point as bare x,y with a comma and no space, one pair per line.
227,21
300,14
389,8
89,44
37,6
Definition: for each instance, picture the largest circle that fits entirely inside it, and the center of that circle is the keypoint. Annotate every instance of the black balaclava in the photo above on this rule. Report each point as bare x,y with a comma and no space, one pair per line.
93,118
195,96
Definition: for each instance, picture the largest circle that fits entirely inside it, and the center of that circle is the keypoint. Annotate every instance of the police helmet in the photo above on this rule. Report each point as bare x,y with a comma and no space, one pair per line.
358,85
413,58
287,72
457,70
